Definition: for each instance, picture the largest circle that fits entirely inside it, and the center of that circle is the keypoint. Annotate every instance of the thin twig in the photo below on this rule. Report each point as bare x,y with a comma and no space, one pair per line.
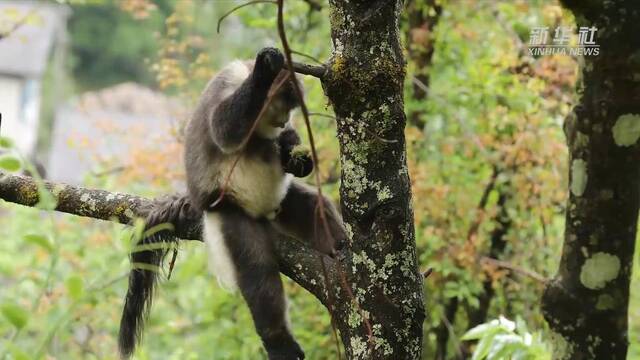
507,265
420,85
322,115
304,69
314,155
373,134
380,138
452,334
240,7
482,204
113,170
303,107
314,59
320,204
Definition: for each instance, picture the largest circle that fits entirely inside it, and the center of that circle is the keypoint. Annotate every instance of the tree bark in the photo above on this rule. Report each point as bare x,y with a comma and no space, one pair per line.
586,302
364,83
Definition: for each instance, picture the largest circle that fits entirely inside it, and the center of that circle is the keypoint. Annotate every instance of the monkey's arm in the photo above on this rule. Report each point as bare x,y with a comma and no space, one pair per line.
231,120
294,160
299,218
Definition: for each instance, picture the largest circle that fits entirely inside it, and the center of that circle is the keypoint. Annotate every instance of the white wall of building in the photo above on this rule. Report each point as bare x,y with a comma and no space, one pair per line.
20,106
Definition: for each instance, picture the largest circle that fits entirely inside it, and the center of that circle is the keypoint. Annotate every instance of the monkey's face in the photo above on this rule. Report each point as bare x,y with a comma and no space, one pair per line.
278,112
274,119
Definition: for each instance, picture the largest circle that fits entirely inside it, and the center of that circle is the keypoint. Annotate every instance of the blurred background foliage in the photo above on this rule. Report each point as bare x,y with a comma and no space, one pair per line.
486,151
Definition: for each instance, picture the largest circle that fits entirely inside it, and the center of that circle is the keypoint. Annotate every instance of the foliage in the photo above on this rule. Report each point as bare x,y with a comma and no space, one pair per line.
8,161
96,26
490,119
505,339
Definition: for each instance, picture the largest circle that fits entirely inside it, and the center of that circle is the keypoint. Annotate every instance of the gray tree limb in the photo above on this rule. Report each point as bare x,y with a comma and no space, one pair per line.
297,261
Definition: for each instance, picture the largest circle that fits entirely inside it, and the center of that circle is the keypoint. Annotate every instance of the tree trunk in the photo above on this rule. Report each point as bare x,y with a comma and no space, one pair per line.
586,303
383,319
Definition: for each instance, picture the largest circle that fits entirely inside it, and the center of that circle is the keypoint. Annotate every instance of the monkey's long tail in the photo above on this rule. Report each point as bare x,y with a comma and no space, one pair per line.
146,259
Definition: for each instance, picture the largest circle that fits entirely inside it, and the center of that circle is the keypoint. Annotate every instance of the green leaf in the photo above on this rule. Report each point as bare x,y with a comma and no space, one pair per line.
507,324
482,349
523,354
39,240
46,199
10,163
521,326
481,330
473,302
17,353
5,142
504,345
16,315
75,286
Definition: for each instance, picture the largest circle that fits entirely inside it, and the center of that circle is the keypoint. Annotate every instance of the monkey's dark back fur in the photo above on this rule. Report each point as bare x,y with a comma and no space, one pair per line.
173,210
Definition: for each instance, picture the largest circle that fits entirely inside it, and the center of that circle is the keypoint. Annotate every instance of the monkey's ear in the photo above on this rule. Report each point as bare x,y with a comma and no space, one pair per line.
269,62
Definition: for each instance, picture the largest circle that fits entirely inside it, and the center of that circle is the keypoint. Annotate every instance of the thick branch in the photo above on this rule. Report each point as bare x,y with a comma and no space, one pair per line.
297,261
311,70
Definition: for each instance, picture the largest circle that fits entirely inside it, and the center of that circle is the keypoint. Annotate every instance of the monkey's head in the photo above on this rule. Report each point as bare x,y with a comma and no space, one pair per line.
269,70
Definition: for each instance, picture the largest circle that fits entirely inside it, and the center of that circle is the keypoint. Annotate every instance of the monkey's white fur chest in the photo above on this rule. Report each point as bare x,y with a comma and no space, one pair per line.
256,186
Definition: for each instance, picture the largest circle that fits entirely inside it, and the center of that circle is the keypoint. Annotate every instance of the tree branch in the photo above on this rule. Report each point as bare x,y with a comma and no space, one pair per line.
297,261
311,70
520,270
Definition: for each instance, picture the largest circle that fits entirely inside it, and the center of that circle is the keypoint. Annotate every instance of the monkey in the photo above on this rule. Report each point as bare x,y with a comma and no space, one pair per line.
242,212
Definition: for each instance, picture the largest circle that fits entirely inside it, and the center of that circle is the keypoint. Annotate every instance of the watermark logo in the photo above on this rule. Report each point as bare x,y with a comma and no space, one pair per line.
541,43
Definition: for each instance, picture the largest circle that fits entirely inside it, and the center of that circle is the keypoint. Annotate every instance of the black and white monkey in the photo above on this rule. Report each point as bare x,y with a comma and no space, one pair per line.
260,200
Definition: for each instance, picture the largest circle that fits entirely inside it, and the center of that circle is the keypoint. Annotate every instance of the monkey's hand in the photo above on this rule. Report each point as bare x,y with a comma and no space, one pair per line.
269,62
294,158
300,163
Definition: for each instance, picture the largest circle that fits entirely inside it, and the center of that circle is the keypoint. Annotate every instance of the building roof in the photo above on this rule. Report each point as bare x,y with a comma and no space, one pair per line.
105,126
25,51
